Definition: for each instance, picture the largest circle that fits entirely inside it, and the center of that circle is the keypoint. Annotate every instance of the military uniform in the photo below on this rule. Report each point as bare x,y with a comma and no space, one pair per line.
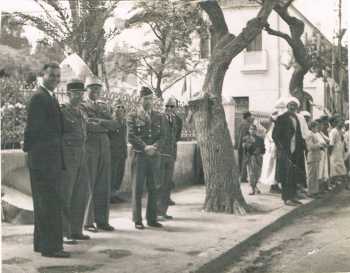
119,152
171,128
75,183
144,129
99,162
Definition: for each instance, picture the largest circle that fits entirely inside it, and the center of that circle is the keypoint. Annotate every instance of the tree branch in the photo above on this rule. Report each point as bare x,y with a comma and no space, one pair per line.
178,79
149,66
280,34
212,8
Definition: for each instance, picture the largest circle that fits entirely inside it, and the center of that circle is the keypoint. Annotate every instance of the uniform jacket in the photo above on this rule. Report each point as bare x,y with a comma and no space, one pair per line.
97,110
75,126
43,132
143,131
117,136
171,127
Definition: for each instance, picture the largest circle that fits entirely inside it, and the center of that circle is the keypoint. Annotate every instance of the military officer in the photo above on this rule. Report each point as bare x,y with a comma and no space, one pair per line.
171,128
98,158
75,182
119,151
144,134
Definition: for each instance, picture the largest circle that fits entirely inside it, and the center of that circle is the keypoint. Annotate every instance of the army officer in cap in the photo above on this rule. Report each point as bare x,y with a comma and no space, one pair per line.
98,158
75,182
144,134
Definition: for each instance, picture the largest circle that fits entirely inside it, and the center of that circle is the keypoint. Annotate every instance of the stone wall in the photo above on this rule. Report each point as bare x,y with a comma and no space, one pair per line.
15,174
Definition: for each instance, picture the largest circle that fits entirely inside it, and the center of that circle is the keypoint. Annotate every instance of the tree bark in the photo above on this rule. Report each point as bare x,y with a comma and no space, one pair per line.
223,193
301,56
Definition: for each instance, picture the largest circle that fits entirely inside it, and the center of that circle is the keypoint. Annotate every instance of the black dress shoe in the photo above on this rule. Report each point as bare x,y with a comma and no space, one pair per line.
155,224
58,254
171,203
139,226
69,241
80,237
105,227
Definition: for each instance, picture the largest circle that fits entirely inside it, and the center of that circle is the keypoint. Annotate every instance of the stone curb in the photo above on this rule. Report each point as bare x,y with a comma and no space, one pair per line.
223,260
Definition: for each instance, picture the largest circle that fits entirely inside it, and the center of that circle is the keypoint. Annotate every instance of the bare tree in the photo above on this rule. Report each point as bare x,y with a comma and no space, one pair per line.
223,193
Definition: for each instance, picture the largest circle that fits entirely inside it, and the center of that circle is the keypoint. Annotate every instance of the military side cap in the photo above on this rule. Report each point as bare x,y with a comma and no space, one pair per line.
75,85
93,81
145,91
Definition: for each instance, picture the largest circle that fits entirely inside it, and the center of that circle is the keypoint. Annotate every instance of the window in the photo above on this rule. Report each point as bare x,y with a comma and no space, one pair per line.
256,44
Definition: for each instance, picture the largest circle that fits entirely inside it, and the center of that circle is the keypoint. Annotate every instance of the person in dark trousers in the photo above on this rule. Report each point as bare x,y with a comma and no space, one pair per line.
144,134
43,143
254,149
98,158
75,182
242,132
119,151
171,128
290,152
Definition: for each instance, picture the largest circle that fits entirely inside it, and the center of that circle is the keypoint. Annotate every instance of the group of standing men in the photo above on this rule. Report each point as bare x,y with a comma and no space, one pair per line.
76,156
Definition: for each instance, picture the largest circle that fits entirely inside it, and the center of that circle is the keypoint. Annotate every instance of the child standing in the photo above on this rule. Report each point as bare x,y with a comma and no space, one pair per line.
253,148
313,159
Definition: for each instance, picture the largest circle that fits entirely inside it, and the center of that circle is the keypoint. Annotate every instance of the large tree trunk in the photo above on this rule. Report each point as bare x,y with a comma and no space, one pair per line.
223,193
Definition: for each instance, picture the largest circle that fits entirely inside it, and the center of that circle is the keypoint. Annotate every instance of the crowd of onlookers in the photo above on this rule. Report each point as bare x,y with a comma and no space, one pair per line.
296,156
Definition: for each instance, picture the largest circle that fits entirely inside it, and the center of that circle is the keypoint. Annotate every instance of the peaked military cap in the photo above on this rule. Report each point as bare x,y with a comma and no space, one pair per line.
145,91
93,81
75,85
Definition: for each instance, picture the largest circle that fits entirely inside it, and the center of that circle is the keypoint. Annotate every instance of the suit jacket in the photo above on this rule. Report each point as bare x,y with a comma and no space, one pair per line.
143,131
43,132
117,137
171,132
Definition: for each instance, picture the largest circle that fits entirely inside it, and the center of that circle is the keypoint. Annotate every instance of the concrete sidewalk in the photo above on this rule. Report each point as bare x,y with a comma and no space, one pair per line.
195,241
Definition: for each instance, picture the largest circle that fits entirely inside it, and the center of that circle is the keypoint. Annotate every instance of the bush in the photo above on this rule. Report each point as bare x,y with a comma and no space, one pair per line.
13,112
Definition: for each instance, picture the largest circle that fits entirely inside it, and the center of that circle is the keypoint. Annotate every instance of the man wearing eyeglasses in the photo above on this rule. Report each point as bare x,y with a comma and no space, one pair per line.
171,132
119,150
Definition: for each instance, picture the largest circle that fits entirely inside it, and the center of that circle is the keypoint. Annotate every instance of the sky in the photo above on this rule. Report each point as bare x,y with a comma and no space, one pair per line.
320,15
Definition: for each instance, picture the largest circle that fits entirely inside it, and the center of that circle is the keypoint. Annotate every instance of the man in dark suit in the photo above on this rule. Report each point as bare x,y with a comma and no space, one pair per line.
119,151
43,143
171,128
144,134
290,152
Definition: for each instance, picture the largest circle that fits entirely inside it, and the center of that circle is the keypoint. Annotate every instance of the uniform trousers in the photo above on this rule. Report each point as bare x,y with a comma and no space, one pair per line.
75,189
144,168
166,172
117,171
47,205
99,164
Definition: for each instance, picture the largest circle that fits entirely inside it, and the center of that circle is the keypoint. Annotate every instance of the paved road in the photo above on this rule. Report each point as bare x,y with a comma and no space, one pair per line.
317,241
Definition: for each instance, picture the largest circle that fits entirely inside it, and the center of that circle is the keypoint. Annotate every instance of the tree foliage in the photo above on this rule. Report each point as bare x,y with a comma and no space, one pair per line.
168,56
76,25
